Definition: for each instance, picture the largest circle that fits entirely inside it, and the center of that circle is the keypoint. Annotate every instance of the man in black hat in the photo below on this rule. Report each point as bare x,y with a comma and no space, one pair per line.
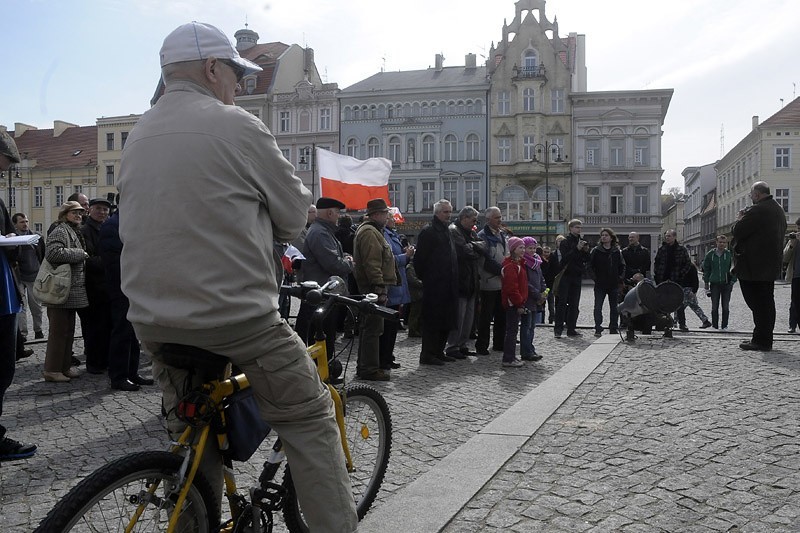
96,319
9,307
375,271
324,258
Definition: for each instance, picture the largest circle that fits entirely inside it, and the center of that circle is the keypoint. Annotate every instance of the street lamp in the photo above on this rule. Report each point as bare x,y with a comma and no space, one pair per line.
548,149
306,157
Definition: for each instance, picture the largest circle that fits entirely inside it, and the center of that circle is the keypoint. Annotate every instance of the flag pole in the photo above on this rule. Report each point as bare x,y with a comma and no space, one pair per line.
313,169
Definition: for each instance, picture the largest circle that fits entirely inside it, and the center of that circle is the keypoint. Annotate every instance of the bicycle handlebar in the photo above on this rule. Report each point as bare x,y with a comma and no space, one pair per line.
316,295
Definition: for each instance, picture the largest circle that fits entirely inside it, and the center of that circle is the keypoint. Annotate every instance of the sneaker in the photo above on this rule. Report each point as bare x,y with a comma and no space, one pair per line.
72,373
11,449
516,363
790,331
557,334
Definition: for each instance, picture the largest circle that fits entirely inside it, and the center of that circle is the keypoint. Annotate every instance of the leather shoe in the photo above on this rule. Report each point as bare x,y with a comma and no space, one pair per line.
446,358
378,375
457,355
95,370
124,384
26,352
433,361
482,351
574,334
534,357
139,380
467,351
754,346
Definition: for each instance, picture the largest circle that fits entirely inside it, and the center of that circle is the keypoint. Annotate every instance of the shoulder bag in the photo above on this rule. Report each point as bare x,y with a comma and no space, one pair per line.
52,283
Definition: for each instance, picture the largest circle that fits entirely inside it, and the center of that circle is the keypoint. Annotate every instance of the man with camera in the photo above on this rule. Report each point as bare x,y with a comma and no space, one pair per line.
757,256
575,256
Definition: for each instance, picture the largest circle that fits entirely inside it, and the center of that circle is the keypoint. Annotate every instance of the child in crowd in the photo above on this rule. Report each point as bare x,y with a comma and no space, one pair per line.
514,294
536,299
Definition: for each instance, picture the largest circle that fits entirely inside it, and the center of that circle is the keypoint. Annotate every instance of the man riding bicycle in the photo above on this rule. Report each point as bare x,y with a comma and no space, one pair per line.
195,276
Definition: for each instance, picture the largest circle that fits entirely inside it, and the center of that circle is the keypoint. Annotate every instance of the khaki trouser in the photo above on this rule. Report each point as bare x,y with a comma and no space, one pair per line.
299,408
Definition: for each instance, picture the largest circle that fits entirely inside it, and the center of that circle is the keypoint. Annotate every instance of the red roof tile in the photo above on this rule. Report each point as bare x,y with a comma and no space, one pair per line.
788,116
76,147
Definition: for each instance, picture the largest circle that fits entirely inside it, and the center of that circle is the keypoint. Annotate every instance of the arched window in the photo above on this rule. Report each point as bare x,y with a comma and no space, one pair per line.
450,148
395,149
356,113
373,147
352,148
473,147
530,63
428,148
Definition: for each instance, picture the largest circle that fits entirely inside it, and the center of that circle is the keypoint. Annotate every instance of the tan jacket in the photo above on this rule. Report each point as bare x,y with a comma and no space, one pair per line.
206,192
375,267
788,258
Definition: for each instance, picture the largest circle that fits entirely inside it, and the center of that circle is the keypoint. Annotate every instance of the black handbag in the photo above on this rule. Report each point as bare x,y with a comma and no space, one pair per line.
246,428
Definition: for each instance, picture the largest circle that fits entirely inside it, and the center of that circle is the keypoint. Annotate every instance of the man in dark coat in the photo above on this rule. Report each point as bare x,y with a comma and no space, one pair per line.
469,251
96,319
672,260
637,258
757,256
436,264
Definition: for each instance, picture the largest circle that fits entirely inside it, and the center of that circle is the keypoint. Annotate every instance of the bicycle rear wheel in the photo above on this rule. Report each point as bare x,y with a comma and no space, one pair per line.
368,427
108,498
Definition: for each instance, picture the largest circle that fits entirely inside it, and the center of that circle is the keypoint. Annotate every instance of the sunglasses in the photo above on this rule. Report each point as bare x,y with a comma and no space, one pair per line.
237,70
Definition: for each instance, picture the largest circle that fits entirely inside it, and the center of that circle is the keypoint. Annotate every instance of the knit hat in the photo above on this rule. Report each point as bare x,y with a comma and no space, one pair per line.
514,243
530,241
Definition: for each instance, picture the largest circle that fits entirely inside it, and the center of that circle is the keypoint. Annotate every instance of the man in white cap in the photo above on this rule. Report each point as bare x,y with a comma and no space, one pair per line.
191,162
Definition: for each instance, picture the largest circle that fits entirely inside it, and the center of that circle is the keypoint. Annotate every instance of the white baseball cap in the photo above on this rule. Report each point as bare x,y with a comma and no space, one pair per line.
197,40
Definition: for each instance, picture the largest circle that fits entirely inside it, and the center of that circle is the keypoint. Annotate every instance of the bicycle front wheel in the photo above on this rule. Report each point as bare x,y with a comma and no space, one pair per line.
109,498
368,427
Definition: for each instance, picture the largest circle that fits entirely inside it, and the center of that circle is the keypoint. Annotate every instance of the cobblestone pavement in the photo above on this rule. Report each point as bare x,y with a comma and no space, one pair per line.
81,425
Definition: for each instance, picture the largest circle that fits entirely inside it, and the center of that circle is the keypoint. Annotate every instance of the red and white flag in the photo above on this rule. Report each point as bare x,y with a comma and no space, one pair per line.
351,180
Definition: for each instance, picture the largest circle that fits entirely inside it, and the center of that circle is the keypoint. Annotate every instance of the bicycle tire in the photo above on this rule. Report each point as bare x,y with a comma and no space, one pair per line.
107,498
368,426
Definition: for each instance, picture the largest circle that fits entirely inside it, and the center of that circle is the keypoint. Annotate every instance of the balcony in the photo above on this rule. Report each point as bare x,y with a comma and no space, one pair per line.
529,72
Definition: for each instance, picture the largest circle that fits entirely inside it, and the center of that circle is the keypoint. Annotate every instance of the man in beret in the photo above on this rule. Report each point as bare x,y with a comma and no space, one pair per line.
375,271
96,319
324,258
9,307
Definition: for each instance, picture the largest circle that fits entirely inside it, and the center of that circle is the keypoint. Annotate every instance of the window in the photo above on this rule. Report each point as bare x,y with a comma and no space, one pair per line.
373,147
123,140
450,191
285,123
617,200
640,200
617,152
394,193
503,103
255,112
352,148
782,157
530,62
286,153
557,149
473,148
12,197
557,100
304,161
592,153
38,227
109,174
394,150
325,119
37,197
356,113
450,148
77,189
782,197
109,141
373,111
592,200
528,100
428,148
504,150
528,142
305,121
428,195
472,193
250,85
59,195
641,152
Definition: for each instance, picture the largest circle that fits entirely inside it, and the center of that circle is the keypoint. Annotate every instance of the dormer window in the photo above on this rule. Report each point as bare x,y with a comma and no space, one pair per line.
250,85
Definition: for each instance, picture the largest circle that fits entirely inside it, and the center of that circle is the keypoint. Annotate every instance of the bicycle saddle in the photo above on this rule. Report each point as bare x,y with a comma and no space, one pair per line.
193,358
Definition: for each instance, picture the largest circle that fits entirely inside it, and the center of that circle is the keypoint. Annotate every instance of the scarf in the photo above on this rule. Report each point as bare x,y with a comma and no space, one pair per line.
533,261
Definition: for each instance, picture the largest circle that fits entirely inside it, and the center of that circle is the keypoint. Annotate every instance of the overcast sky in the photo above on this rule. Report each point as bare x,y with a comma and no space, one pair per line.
727,60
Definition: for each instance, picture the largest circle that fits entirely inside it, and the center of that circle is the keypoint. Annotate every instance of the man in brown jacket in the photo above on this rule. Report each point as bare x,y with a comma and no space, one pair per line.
374,270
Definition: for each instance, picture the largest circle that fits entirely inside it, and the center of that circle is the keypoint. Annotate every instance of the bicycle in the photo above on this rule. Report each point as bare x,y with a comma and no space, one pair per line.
165,491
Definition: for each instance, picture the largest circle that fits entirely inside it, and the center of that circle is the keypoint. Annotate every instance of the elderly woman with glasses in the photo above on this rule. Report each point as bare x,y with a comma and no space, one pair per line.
65,245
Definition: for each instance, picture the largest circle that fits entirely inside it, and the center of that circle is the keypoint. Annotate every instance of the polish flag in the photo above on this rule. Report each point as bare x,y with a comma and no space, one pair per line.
353,181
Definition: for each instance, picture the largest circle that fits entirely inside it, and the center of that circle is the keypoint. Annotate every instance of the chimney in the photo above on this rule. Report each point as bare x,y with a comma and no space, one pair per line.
59,127
245,39
470,60
439,61
755,121
308,57
20,128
